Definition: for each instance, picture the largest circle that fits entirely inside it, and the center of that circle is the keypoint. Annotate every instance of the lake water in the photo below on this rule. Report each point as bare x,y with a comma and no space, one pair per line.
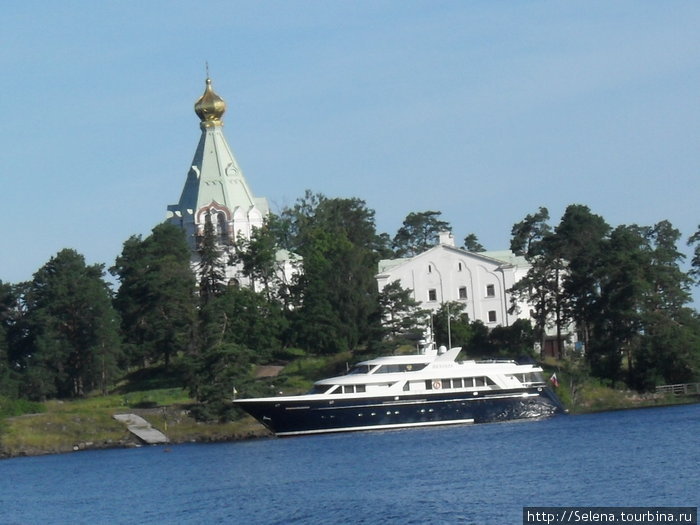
473,474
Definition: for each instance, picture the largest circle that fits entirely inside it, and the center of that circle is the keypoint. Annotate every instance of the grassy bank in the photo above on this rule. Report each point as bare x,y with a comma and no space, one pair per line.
581,393
88,424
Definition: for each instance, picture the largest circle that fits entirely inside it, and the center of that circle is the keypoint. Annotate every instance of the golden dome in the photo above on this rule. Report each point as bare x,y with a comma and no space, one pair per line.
210,107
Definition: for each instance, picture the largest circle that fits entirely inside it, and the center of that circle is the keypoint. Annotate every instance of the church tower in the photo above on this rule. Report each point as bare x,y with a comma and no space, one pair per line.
215,186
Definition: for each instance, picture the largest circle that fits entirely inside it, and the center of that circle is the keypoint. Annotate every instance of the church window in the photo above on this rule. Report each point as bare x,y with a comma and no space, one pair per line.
490,290
492,316
459,267
221,225
462,292
430,268
432,294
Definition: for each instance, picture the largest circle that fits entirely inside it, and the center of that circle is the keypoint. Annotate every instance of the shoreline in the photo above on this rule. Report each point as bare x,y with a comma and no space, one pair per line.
132,441
241,430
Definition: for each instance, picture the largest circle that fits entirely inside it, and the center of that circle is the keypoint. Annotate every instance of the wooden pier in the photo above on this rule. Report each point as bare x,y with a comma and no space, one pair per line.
683,389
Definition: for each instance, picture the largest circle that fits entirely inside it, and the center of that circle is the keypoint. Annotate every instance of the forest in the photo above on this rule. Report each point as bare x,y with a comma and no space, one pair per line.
69,333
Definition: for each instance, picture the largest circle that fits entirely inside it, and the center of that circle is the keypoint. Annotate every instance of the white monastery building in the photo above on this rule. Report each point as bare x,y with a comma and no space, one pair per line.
445,273
216,187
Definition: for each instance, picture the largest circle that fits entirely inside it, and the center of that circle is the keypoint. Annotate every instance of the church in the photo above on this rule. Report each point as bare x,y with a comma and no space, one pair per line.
217,190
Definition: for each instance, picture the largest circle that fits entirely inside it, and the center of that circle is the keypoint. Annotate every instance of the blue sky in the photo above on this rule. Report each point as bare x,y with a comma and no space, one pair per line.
483,110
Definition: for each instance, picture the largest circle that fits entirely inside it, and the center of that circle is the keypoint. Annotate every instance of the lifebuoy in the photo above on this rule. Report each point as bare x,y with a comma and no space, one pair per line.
437,385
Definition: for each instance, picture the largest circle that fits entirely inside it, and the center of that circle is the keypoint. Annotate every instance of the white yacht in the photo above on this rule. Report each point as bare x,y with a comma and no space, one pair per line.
429,388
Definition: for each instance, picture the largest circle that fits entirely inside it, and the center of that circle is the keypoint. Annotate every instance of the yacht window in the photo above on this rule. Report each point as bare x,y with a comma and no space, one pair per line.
479,381
446,383
457,383
406,387
320,389
428,384
406,367
534,377
359,388
359,369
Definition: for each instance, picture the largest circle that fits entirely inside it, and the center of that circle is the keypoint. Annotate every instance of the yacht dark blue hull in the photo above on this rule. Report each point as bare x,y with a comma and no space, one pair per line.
311,415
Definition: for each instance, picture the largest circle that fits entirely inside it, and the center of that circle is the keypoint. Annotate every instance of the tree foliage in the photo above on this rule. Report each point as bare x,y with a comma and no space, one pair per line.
258,257
401,313
581,236
472,244
451,325
243,317
514,341
214,375
211,269
335,300
542,286
156,296
72,344
622,288
418,233
527,235
694,239
8,322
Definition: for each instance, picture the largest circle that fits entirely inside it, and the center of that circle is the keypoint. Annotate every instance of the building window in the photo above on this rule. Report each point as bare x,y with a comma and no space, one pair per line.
432,294
462,292
492,316
490,290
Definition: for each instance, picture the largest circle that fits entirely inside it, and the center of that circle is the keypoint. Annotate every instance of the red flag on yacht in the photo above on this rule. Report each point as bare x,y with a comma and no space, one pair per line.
554,380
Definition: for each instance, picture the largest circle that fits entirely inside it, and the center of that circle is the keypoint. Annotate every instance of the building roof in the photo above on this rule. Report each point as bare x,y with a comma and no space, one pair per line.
215,176
500,258
506,256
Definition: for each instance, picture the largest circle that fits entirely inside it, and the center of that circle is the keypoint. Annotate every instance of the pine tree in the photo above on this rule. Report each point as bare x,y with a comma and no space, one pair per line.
75,344
156,296
581,235
542,286
472,244
211,269
8,308
418,233
401,313
695,262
